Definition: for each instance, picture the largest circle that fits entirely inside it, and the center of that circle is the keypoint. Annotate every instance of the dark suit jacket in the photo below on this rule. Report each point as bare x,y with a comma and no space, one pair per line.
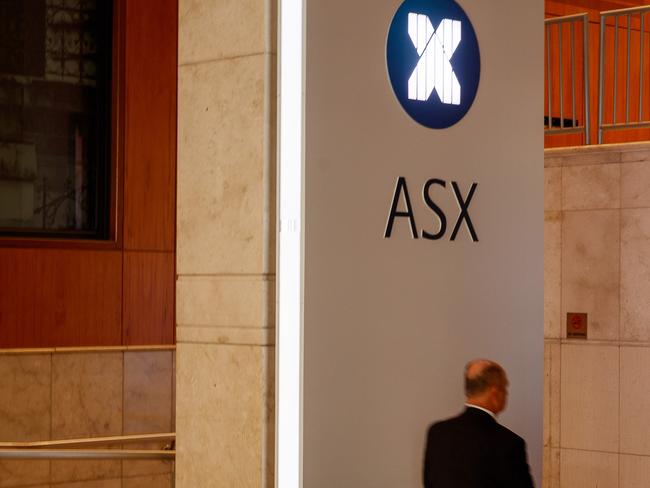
474,451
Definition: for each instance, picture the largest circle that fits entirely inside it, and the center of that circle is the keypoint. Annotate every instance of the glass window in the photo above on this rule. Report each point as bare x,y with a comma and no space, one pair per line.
55,104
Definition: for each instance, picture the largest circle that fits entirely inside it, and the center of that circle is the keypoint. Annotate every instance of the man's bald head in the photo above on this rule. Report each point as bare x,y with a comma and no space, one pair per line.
486,384
480,374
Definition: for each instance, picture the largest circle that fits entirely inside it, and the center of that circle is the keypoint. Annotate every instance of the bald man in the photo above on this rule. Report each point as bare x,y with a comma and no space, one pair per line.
473,450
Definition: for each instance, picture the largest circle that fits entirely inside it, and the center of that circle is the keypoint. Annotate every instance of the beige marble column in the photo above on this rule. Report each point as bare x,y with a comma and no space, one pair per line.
226,243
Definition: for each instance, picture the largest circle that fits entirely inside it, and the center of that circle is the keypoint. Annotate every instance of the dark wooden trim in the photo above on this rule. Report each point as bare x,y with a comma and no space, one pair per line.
176,32
118,110
52,243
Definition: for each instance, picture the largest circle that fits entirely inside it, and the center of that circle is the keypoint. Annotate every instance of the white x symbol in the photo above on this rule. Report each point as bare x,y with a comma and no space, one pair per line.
435,49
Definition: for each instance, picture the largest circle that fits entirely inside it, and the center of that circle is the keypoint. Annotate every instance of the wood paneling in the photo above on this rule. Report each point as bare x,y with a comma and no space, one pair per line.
61,293
60,298
149,288
150,160
17,299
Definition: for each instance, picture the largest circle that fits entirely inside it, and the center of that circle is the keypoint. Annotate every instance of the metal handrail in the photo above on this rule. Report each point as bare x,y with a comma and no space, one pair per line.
64,449
90,441
571,20
87,454
628,10
627,124
564,18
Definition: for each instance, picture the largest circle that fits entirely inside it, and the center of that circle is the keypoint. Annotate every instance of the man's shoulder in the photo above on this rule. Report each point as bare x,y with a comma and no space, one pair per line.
479,423
507,435
443,431
446,423
460,423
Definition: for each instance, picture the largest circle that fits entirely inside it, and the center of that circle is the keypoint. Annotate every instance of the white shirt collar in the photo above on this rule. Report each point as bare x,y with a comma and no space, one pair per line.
469,405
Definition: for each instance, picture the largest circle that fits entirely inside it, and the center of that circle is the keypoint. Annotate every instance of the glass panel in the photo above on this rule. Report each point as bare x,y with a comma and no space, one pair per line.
55,99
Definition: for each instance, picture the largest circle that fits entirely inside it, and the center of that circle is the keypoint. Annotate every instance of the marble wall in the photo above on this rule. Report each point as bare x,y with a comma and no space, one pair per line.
597,261
226,243
51,394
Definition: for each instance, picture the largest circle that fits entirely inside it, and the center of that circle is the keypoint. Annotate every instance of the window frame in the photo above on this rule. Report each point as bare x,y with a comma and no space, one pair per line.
114,169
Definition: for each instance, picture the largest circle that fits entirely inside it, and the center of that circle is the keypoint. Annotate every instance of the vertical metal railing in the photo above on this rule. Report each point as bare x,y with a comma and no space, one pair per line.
556,123
626,19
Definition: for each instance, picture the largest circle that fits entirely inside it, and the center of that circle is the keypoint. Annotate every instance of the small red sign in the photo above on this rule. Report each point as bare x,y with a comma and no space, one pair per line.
576,325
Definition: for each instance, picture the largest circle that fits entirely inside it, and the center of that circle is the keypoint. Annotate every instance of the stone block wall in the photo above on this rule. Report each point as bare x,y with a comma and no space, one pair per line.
225,263
597,261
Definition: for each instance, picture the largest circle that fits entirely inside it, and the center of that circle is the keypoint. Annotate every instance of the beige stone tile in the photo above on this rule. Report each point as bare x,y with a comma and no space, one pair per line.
24,414
591,187
635,274
20,473
551,468
585,155
635,471
552,274
25,399
552,189
635,185
626,147
86,402
552,378
552,161
226,301
147,392
589,397
585,469
86,394
269,434
147,404
84,470
174,391
590,270
546,467
635,400
223,168
555,389
217,29
222,412
640,154
270,222
241,336
146,468
156,481
546,433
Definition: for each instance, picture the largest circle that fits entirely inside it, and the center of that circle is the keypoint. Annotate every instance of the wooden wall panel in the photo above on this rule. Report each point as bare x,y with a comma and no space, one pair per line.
61,293
53,297
149,289
150,154
17,299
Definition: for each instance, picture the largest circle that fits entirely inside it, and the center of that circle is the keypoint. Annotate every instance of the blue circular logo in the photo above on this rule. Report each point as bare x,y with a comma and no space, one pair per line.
433,60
